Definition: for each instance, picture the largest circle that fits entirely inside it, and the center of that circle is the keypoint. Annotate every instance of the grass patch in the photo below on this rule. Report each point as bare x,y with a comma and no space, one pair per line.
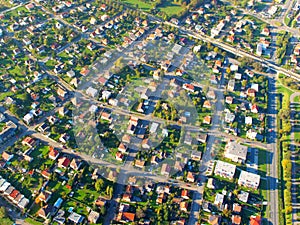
145,6
171,8
32,221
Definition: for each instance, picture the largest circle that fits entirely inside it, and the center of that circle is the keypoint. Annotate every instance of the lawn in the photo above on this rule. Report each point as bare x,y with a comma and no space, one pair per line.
297,99
286,92
32,221
170,8
142,5
6,221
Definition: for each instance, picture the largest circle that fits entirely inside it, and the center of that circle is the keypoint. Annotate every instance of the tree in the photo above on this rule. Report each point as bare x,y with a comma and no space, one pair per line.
244,83
99,184
140,213
3,212
226,213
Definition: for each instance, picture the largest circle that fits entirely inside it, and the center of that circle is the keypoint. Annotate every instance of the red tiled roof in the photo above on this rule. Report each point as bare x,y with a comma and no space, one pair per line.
129,216
14,194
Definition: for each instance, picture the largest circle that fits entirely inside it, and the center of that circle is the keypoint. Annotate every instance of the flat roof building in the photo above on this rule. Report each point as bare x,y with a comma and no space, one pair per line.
249,180
224,169
236,152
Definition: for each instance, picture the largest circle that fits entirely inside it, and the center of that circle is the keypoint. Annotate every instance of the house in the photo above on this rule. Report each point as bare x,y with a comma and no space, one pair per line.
126,138
28,118
210,183
229,100
179,166
92,92
214,219
219,199
61,92
63,162
236,152
190,177
225,169
238,76
7,156
146,143
249,180
119,156
46,174
13,194
243,196
236,208
139,163
183,206
231,85
196,155
53,153
64,138
229,117
45,211
23,203
255,220
207,120
18,199
202,138
75,164
52,120
207,104
185,194
29,141
43,128
4,186
254,108
106,116
265,31
234,67
211,94
297,49
189,87
127,217
236,219
251,134
248,120
44,197
75,218
84,71
70,73
157,74
165,169
122,148
294,59
106,94
93,217
100,202
251,92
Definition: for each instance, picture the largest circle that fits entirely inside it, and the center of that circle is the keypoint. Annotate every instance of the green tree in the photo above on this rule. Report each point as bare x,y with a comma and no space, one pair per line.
99,184
3,212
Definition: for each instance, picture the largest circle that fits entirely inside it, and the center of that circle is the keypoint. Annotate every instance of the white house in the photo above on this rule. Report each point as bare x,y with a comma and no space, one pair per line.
28,118
236,152
225,169
92,92
249,180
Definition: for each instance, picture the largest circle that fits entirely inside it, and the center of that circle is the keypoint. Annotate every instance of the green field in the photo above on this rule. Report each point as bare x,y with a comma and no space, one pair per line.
171,8
141,5
168,6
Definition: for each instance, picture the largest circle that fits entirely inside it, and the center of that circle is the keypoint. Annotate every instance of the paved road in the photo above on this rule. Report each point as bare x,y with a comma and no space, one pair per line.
272,142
